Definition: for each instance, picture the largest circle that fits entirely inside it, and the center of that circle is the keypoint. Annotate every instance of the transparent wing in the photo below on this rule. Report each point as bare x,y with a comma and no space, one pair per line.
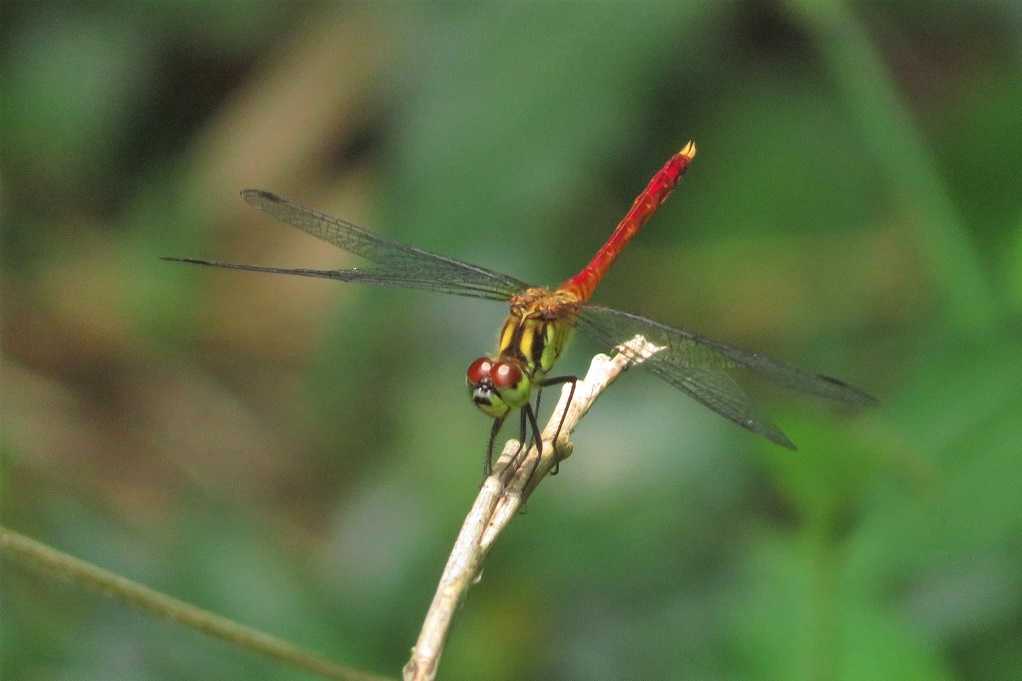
370,275
395,264
692,363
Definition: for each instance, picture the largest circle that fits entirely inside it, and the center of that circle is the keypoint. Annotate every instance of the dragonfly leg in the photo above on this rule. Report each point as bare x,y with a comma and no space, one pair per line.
556,380
488,461
538,437
522,436
535,410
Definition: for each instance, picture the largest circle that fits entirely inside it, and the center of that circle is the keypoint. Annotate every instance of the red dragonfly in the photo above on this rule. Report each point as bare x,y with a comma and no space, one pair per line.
541,319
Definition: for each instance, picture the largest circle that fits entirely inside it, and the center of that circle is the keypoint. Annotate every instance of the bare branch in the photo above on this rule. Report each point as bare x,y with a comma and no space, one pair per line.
500,497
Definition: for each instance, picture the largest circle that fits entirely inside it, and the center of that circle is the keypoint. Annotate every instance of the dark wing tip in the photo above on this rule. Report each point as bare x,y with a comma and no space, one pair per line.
257,197
849,393
777,436
787,444
190,261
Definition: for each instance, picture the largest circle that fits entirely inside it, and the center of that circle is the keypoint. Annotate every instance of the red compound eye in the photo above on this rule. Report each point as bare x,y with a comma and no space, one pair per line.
506,376
479,370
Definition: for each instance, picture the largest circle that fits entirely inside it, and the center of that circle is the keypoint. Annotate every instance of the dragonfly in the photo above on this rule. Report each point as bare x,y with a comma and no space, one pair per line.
542,320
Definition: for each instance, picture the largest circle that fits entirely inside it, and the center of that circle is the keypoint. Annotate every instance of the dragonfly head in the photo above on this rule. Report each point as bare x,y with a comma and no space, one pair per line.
497,386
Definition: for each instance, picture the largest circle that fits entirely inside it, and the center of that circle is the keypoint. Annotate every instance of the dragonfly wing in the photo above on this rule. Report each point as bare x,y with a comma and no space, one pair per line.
719,392
370,275
685,349
396,264
693,363
706,383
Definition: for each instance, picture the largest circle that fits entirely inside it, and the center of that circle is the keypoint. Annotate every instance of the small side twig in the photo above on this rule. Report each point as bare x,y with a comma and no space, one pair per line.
502,495
38,556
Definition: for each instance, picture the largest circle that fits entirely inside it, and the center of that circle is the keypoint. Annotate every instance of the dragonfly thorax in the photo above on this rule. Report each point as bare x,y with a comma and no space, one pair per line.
542,303
538,328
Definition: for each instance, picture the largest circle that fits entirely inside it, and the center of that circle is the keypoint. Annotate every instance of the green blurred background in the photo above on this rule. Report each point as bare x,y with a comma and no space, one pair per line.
298,454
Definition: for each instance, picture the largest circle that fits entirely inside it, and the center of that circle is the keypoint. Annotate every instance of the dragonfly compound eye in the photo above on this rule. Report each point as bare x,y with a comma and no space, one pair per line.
506,376
511,383
479,371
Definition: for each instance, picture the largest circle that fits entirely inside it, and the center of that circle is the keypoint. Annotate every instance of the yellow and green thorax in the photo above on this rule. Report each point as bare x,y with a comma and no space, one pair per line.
538,328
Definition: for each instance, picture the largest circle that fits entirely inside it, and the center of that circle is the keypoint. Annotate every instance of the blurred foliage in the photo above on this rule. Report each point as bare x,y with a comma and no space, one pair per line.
298,455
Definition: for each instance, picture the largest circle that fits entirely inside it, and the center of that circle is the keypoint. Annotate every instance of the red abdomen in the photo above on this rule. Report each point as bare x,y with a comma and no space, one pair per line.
656,192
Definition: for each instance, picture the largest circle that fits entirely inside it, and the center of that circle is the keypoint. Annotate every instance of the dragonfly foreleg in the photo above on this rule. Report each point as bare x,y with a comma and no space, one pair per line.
556,380
522,436
488,461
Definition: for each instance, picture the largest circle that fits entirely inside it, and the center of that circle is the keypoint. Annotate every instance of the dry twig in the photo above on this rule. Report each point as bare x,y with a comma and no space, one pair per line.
500,497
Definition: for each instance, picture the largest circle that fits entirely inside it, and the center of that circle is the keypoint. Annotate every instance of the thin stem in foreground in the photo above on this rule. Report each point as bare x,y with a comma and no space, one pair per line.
42,558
